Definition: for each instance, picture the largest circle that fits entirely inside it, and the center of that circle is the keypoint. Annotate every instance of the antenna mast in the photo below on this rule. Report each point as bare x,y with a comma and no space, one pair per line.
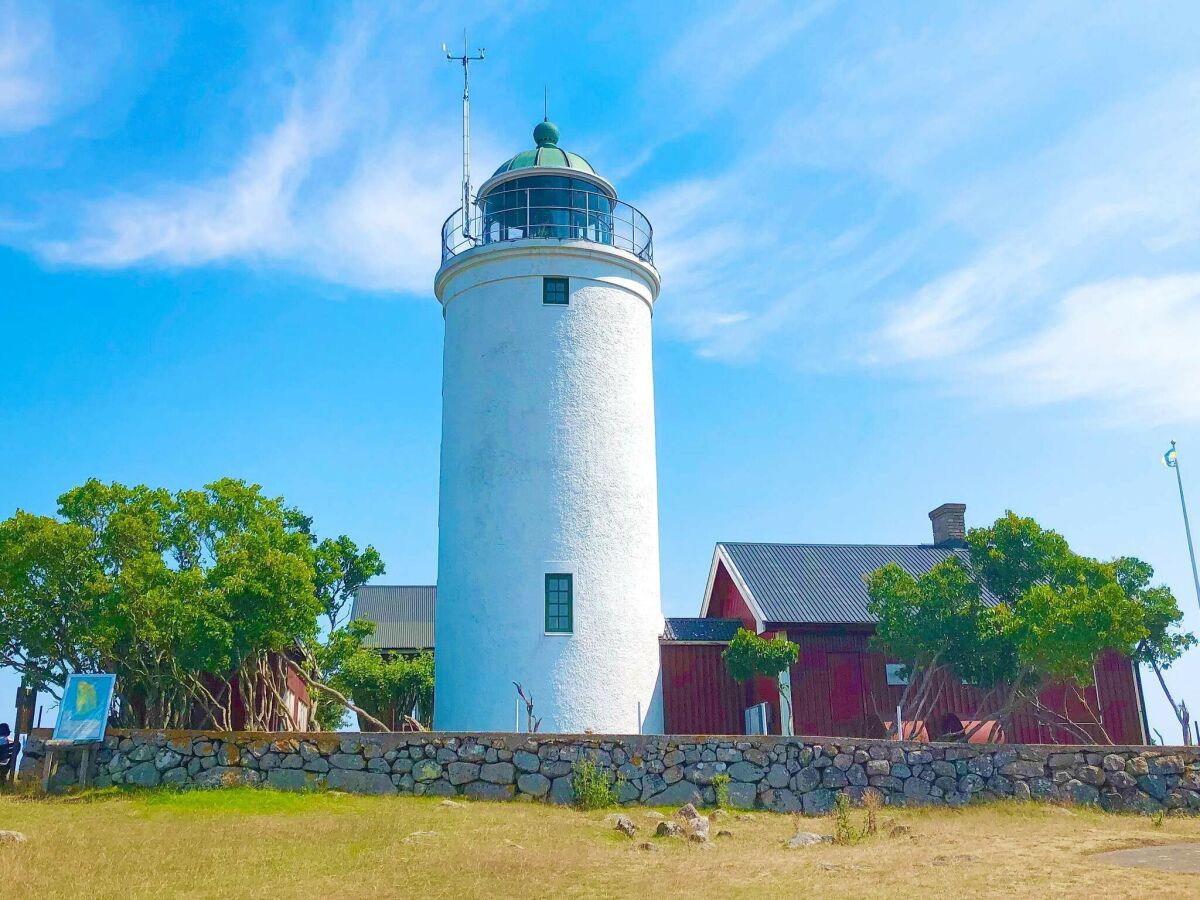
466,61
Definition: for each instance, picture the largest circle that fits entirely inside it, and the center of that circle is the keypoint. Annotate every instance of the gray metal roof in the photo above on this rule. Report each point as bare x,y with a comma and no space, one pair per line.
700,629
823,583
403,615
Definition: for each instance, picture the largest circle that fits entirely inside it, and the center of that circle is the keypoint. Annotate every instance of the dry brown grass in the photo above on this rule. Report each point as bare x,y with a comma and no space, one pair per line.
243,843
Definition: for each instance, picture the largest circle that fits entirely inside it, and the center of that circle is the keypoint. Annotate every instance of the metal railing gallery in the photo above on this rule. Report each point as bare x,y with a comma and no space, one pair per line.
549,214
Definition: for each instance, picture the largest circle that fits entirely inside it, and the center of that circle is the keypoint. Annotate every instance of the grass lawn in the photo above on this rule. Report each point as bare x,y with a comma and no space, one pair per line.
255,843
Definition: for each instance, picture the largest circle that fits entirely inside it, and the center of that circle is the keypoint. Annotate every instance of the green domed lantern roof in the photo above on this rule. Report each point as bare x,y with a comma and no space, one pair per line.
547,154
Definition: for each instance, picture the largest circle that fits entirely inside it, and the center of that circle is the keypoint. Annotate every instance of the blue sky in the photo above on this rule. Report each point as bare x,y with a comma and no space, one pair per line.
909,256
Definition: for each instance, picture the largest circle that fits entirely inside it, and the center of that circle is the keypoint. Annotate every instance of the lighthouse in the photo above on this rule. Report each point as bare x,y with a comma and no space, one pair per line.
548,559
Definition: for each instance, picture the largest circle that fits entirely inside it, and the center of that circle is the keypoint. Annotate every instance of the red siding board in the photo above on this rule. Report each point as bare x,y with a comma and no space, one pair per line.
840,689
699,696
1120,702
727,601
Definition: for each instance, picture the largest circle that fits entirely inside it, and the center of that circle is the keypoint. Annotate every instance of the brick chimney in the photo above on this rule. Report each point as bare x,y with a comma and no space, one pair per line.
949,525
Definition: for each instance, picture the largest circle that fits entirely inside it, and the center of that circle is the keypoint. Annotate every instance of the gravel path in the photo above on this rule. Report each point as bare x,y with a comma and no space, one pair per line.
1167,858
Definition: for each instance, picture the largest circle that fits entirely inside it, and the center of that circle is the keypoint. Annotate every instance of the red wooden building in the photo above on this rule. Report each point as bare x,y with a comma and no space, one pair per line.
816,595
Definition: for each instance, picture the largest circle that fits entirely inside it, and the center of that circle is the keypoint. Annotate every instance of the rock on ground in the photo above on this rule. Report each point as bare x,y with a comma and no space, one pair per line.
808,838
625,825
11,837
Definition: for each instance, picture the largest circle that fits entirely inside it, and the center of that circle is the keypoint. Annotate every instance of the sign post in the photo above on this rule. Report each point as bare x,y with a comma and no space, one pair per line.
82,720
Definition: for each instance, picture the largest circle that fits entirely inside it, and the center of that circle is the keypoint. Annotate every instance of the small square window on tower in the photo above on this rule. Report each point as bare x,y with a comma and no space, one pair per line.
560,601
556,291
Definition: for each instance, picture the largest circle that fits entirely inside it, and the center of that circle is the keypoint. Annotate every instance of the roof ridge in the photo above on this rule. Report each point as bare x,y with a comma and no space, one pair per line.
397,586
827,544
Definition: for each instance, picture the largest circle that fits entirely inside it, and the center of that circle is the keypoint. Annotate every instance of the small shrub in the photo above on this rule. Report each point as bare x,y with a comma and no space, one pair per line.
594,787
720,785
872,802
844,831
1157,818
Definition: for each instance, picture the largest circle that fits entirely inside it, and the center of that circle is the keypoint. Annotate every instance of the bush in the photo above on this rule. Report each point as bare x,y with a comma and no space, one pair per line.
720,785
593,785
844,831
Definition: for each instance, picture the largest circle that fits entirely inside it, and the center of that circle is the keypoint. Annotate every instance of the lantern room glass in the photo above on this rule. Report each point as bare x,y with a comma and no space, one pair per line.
547,206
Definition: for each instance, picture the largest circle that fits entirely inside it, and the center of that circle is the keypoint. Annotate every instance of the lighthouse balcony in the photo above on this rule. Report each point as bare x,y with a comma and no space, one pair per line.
567,213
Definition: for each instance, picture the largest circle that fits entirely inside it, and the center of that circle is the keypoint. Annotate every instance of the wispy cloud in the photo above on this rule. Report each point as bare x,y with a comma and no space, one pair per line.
897,192
723,49
947,208
1113,199
1128,345
28,80
336,188
52,59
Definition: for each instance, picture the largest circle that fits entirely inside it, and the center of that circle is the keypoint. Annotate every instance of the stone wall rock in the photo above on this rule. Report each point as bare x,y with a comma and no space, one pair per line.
782,774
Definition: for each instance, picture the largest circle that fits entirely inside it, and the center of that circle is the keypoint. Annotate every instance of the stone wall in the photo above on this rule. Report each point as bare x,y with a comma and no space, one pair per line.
781,774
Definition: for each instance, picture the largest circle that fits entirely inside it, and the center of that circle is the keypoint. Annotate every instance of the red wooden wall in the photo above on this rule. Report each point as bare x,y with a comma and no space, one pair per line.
840,689
726,601
699,696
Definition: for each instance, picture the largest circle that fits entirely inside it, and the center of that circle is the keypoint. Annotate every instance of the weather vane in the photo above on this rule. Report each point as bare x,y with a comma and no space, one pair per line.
466,59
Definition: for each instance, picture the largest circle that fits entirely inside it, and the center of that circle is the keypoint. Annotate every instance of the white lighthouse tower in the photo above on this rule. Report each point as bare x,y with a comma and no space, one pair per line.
548,571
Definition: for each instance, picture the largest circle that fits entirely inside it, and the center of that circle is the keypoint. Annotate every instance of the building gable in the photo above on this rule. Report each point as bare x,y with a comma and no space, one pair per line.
801,584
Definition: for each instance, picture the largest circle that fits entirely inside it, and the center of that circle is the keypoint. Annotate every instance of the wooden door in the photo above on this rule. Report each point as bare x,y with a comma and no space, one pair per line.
846,695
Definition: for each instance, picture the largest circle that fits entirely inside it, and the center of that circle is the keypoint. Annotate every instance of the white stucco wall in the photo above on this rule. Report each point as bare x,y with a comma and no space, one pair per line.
548,465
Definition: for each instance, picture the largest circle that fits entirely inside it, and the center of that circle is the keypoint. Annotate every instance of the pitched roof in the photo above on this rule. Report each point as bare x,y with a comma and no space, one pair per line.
822,583
700,629
403,615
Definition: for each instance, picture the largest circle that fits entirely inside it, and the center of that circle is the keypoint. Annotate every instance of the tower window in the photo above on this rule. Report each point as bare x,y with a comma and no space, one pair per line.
560,600
556,291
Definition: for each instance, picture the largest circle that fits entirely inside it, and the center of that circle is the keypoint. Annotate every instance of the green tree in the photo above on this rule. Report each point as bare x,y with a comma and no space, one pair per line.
1025,612
749,655
339,570
385,688
1163,643
197,600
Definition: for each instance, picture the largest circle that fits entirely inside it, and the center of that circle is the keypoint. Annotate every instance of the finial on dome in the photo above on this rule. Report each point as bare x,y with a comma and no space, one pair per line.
546,134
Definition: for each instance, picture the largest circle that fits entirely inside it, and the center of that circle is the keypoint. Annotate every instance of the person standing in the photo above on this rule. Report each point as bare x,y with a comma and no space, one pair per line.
9,748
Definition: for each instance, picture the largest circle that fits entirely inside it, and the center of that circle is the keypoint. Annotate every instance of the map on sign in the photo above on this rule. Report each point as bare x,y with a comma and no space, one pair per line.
83,713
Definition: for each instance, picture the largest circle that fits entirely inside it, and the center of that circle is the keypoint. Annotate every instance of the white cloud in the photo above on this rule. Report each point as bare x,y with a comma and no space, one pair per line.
244,212
1114,197
993,169
337,188
924,196
379,230
1128,345
54,58
28,89
717,52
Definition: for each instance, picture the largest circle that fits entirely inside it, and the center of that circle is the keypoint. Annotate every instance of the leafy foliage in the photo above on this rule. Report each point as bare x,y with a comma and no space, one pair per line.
593,785
845,832
748,655
387,687
720,785
1049,614
196,600
339,570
